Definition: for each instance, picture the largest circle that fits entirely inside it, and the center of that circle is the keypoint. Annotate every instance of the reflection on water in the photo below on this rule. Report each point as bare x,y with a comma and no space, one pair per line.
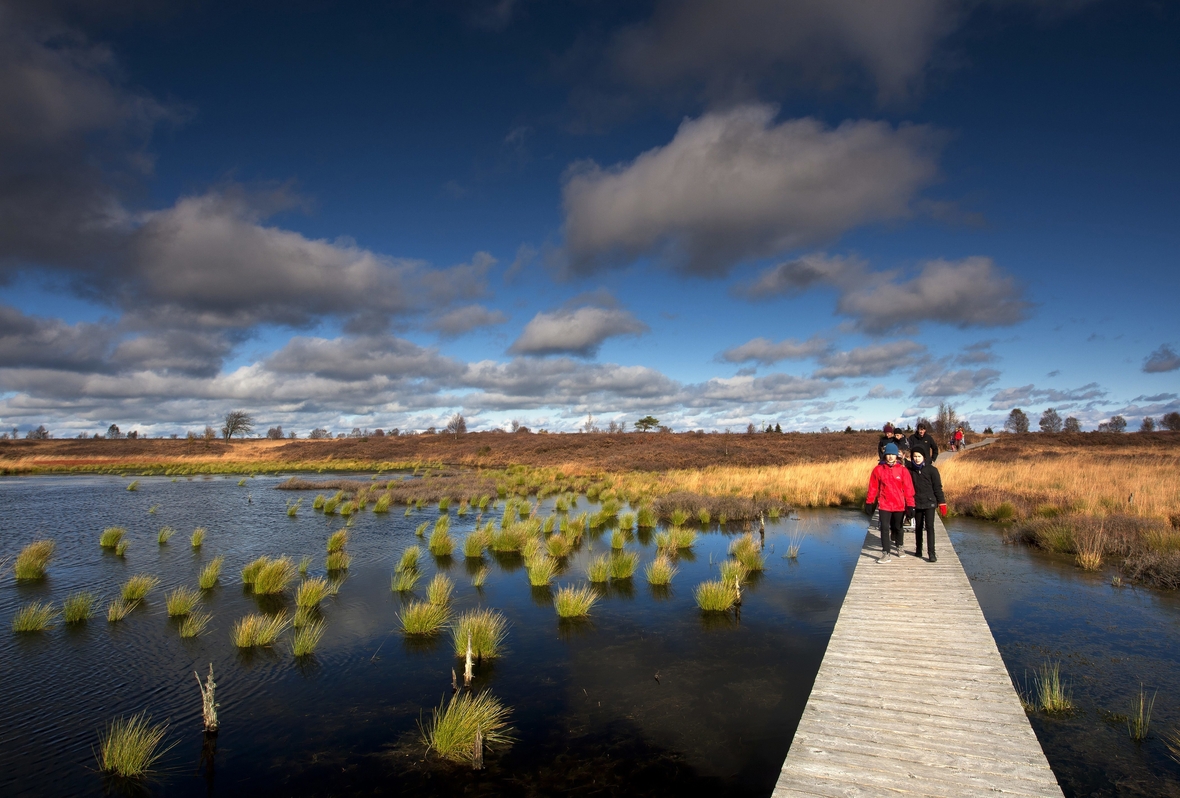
647,697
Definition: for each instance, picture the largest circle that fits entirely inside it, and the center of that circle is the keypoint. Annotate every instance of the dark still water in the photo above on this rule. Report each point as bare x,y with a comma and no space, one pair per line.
589,713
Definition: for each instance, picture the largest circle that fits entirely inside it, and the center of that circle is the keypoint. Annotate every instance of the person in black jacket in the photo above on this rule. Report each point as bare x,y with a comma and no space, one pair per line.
925,441
886,439
927,496
903,443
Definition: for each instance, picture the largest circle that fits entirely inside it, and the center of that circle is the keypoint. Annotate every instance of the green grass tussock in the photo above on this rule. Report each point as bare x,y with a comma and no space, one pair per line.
452,729
598,569
306,638
182,601
623,564
197,537
541,570
440,589
682,537
473,544
210,573
194,624
660,571
404,581
441,543
165,533
618,539
487,629
337,540
715,596
480,577
257,629
111,536
36,616
558,547
733,572
311,592
421,530
574,602
130,747
33,559
748,552
250,572
273,578
1050,694
119,609
424,618
337,561
79,607
137,587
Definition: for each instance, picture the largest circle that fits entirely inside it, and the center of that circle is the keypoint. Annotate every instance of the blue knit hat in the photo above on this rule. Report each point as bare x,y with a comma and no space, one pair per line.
891,448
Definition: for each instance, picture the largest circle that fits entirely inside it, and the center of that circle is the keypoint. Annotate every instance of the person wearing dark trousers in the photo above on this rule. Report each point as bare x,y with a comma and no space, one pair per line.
891,489
928,495
925,441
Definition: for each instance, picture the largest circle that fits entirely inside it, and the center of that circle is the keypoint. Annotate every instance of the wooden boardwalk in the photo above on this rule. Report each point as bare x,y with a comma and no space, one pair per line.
912,698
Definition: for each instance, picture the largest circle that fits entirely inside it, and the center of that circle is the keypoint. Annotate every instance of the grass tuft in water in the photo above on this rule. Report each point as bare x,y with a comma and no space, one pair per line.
441,542
473,544
409,559
682,537
1139,721
715,596
487,629
337,561
660,571
182,601
598,569
574,602
421,530
130,747
794,543
79,607
404,581
137,587
111,536
164,534
453,728
257,629
36,616
197,537
337,540
311,592
618,539
733,571
623,564
1049,693
439,589
305,564
306,638
119,609
274,577
558,546
210,573
250,572
194,624
424,618
121,549
748,552
134,485
541,570
30,563
479,577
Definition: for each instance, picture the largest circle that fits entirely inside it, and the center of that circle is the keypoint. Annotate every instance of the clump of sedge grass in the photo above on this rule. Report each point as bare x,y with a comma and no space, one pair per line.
473,544
307,638
318,502
404,581
130,747
210,573
748,552
134,485
30,563
304,564
194,624
646,517
311,592
715,596
242,482
660,571
337,540
257,629
337,561
618,539
1139,721
421,530
197,537
682,537
622,565
121,549
541,570
250,572
36,616
441,542
558,546
164,534
111,536
138,586
424,618
457,727
79,607
1049,693
598,569
487,629
409,559
304,616
794,543
480,577
181,601
574,602
439,589
704,517
627,522
119,609
274,577
733,572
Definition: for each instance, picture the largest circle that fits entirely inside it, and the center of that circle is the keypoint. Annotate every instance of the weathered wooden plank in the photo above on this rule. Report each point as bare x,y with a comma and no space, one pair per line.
912,697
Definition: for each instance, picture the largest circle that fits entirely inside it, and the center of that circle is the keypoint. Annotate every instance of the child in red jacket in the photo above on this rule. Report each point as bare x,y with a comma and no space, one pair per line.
892,490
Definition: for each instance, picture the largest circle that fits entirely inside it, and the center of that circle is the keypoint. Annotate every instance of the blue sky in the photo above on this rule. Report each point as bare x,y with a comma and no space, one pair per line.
716,213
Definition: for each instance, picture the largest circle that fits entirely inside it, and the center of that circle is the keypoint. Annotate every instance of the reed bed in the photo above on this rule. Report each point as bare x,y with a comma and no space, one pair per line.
36,616
306,638
541,570
31,562
311,592
660,571
137,587
598,569
79,607
181,601
574,602
466,723
197,538
210,573
486,629
119,609
623,564
131,747
424,618
274,577
194,624
405,580
111,537
440,589
715,596
256,629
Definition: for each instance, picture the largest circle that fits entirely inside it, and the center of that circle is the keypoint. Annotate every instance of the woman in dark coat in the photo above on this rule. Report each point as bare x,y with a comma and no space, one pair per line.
928,495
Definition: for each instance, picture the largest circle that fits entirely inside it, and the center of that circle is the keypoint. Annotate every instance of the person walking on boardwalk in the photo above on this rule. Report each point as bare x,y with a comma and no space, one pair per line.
925,441
892,490
927,496
886,438
902,442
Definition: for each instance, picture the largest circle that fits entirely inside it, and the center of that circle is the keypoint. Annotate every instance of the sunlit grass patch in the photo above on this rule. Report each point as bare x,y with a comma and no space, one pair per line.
479,577
558,546
32,560
119,609
194,624
794,544
137,587
441,543
337,540
165,533
382,505
251,571
622,565
454,728
257,629
79,607
660,571
404,581
1050,694
473,544
424,618
311,592
1139,721
598,569
210,573
748,552
306,638
440,589
274,577
305,564
318,502
134,485
121,548
541,569
181,601
130,747
337,561
197,537
487,629
733,572
627,522
421,530
682,537
715,596
574,602
618,539
409,559
36,616
111,536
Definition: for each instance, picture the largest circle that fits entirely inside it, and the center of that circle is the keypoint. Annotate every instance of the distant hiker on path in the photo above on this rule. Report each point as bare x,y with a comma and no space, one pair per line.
924,441
958,439
927,496
892,490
